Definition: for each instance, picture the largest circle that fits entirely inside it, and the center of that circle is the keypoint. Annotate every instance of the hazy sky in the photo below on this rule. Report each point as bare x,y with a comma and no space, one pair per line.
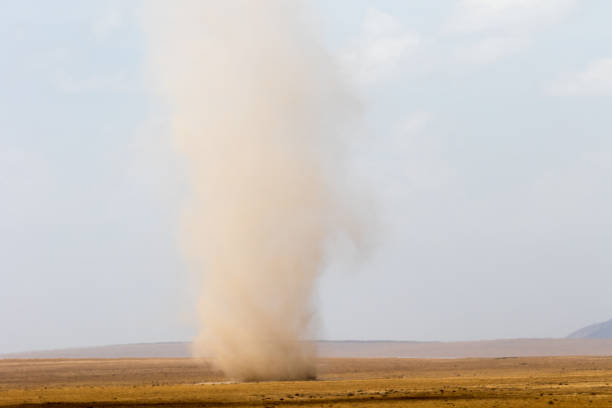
486,151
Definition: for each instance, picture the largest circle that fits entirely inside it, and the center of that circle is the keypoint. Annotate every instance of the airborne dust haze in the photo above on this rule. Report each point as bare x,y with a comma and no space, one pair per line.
260,116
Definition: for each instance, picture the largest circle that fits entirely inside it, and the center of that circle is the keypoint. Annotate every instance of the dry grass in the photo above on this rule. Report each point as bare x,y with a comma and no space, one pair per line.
511,382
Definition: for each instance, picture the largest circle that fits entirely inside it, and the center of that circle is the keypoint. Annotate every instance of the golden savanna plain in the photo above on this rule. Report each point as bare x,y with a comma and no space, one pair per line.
342,382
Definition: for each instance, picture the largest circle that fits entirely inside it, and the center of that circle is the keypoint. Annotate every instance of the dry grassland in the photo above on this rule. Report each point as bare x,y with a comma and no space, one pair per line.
508,382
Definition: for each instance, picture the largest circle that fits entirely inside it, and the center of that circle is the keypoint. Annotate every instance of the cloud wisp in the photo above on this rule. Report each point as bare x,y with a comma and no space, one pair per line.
502,27
380,49
595,79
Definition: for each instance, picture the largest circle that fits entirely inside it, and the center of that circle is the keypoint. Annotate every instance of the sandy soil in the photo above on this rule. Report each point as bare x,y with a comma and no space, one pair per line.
501,382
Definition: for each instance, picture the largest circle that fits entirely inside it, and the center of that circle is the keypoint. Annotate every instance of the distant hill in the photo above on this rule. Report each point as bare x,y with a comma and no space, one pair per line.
175,349
405,349
594,331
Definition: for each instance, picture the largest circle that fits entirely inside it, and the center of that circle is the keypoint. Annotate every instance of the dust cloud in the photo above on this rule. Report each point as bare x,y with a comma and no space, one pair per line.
260,116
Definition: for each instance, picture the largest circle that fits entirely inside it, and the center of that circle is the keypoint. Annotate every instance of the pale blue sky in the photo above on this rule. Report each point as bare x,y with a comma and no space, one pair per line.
487,149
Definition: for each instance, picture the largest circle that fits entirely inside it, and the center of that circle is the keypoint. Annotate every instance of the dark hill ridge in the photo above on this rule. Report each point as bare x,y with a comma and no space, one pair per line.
594,331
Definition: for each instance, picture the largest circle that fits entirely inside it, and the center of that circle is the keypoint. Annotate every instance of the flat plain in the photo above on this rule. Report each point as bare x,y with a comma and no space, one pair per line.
342,382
